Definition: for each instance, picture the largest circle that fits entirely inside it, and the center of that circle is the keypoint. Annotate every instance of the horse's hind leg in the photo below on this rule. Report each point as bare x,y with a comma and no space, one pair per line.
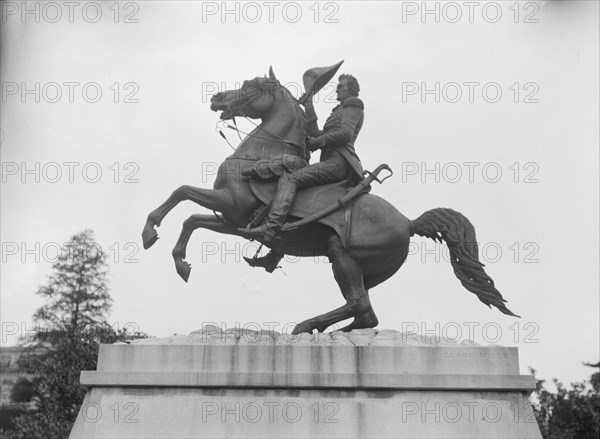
215,199
348,274
194,222
369,319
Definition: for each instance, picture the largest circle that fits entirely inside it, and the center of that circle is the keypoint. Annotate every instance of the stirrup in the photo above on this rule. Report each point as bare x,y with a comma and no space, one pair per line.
263,233
267,262
269,266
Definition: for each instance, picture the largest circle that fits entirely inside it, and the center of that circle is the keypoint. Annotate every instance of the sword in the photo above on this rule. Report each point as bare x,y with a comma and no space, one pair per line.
363,186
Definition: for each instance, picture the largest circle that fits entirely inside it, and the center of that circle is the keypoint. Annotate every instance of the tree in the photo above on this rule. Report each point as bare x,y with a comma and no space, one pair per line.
77,292
569,413
69,328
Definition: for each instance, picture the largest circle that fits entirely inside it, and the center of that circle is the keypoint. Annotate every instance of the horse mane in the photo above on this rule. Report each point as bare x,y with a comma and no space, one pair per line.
269,84
266,82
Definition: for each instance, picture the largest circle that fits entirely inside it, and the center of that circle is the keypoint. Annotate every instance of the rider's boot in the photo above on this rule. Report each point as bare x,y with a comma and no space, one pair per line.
282,204
268,262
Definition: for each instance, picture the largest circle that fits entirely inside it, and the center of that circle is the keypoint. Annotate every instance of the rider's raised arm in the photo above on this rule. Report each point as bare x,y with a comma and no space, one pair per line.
351,117
311,119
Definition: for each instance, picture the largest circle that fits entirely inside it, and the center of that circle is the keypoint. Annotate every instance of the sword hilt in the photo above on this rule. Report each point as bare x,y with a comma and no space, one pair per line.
373,175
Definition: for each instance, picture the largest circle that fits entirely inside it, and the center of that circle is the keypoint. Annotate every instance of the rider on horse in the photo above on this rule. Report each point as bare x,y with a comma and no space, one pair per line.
375,242
338,161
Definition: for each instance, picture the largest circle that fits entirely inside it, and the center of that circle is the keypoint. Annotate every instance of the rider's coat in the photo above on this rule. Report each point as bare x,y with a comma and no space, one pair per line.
340,132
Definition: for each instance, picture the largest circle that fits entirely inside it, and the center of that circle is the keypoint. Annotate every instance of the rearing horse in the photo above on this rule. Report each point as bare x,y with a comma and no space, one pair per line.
378,239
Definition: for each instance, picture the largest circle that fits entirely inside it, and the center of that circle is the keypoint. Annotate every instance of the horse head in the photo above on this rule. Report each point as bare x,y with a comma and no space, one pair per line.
255,99
283,129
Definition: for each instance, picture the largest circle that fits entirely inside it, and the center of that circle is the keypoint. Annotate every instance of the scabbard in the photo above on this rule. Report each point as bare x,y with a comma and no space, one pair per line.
353,193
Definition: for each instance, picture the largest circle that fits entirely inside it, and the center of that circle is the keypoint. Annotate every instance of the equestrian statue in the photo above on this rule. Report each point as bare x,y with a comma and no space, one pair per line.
267,191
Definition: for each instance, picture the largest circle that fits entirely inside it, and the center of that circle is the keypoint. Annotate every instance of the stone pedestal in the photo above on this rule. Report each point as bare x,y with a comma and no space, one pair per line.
313,388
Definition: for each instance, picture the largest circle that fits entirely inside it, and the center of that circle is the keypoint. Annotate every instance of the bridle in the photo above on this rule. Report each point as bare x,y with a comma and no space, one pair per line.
244,100
255,136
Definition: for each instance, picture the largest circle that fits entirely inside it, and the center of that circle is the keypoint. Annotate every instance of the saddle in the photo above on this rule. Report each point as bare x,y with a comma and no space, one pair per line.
311,200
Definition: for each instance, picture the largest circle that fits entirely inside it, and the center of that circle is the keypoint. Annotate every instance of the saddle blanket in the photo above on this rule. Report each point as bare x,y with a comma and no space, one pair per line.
313,199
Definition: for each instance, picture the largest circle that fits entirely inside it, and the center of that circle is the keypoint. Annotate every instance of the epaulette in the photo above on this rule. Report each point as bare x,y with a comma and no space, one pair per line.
353,101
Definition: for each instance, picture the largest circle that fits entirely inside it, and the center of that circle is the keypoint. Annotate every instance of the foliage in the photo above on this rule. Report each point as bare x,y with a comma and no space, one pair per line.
22,391
77,291
8,414
569,413
74,323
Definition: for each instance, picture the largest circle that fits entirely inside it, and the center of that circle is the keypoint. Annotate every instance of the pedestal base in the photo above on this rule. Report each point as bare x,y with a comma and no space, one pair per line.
208,391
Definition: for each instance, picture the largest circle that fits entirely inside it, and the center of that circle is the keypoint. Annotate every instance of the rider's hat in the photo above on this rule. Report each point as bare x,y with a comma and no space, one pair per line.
315,79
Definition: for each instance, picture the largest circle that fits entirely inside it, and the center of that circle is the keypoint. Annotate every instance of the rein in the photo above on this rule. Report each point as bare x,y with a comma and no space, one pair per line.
235,128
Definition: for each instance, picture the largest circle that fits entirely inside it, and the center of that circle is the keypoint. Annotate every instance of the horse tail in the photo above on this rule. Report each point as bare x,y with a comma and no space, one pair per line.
458,232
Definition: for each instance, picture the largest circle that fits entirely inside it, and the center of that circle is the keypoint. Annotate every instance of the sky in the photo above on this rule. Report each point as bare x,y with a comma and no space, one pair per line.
489,109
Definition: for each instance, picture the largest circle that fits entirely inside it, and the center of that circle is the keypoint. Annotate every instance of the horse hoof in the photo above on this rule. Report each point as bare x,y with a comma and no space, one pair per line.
366,321
301,328
183,270
149,237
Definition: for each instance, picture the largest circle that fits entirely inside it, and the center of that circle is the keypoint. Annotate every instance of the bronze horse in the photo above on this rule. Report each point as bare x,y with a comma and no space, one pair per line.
379,236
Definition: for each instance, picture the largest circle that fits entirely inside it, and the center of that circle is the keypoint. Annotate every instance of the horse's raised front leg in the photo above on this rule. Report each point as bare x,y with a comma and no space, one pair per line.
194,222
215,199
348,274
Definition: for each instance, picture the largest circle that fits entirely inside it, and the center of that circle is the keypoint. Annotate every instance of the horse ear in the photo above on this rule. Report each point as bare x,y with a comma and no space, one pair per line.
271,74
